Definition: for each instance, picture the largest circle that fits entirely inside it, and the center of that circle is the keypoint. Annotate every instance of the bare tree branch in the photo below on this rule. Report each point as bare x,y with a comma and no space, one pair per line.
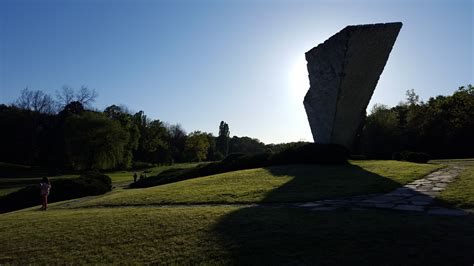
86,96
65,96
37,101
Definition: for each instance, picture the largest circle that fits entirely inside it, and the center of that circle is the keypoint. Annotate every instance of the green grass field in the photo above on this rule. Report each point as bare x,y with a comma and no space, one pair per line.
290,183
460,193
127,176
130,226
11,181
233,235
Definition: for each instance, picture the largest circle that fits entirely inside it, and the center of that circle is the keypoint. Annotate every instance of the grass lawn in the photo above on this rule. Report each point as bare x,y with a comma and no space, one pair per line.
127,176
5,191
232,235
460,193
125,234
8,185
10,170
14,177
290,183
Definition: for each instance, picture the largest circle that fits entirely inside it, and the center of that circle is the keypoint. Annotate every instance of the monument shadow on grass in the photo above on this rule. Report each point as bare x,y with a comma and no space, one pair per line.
277,234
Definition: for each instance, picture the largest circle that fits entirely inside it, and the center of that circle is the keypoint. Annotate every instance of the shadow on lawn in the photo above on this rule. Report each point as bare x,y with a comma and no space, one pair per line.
312,182
289,235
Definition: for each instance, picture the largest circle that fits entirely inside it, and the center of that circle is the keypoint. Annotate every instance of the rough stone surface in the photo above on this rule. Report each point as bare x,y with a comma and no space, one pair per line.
417,196
343,72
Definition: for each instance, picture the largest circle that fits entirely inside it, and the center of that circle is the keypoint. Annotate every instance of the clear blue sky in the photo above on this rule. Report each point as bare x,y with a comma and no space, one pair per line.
199,62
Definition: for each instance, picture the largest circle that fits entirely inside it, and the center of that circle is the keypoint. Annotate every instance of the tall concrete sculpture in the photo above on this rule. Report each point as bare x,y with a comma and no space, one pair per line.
343,72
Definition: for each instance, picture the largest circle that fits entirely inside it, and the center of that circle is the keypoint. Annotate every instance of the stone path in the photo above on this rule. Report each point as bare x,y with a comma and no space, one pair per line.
416,196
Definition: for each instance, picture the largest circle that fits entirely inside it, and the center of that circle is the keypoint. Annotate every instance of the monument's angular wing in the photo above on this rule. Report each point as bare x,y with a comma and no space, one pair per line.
343,72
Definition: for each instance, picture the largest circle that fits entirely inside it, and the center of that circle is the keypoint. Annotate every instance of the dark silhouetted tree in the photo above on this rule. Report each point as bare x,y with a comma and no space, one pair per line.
94,141
222,141
177,139
67,95
72,108
36,101
443,126
245,145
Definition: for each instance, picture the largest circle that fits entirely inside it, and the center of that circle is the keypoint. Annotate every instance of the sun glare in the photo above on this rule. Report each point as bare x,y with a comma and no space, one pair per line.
299,83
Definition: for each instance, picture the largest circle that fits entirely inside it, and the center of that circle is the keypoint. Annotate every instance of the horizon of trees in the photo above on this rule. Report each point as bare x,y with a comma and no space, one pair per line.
443,126
65,132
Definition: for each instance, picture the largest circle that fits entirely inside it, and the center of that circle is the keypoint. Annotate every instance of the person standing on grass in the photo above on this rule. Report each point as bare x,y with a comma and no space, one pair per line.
45,187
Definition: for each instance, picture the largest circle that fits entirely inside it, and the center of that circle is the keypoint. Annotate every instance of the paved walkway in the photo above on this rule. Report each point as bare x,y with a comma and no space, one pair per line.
416,196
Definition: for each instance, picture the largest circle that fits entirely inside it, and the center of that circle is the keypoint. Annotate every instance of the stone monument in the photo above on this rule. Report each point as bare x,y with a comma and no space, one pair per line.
343,72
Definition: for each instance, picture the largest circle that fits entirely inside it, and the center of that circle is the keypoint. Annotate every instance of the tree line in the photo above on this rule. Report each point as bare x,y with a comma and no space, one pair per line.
443,127
67,133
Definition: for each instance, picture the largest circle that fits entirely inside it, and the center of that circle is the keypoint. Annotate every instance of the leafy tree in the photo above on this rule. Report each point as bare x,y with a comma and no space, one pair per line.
196,146
245,145
153,144
19,137
412,97
212,154
443,126
380,132
94,141
125,119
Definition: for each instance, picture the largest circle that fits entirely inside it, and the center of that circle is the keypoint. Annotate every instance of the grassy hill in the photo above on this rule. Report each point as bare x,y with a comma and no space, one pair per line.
289,183
14,177
130,225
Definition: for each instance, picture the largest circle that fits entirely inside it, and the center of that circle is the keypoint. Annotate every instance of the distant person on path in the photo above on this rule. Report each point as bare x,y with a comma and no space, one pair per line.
45,187
134,177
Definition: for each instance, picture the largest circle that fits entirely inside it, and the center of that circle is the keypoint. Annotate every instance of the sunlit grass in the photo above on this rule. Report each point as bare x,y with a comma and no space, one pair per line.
460,193
127,176
124,234
290,183
8,185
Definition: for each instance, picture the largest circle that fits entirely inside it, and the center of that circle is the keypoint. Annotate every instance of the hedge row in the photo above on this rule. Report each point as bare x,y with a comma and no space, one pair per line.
410,156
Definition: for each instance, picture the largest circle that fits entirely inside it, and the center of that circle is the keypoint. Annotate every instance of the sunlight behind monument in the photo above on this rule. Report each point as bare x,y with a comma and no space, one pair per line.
343,73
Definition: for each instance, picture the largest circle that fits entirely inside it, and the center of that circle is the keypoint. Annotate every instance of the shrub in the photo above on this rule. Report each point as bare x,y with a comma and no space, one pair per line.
303,154
358,157
312,153
137,165
218,156
417,157
397,156
88,184
410,156
233,157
